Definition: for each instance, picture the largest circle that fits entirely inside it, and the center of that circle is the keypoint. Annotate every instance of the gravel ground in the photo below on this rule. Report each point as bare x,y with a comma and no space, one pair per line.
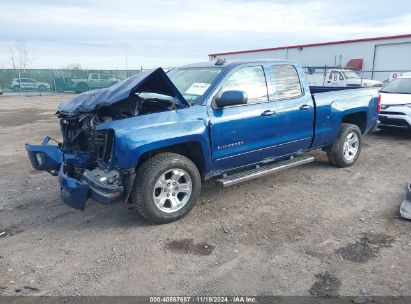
314,230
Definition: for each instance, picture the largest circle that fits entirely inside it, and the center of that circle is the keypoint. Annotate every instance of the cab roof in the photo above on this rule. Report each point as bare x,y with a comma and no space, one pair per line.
227,63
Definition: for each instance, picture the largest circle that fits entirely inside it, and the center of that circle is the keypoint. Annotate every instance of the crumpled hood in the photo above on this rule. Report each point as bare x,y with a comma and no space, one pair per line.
155,81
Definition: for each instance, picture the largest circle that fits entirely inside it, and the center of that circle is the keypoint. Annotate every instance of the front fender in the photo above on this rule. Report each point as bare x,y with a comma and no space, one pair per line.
132,145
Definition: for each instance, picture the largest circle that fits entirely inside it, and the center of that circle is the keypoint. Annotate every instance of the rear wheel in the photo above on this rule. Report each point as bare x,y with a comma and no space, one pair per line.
166,187
346,150
42,88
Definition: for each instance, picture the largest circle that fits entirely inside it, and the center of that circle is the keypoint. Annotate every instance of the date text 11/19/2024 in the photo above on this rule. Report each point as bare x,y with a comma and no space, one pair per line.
203,299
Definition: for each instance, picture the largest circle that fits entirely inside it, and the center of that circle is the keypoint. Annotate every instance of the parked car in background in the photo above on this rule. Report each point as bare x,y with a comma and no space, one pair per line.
393,76
395,99
336,77
150,139
79,85
28,84
1,92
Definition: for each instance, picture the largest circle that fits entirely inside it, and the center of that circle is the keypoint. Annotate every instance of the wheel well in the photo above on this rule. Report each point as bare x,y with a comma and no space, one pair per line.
359,119
191,150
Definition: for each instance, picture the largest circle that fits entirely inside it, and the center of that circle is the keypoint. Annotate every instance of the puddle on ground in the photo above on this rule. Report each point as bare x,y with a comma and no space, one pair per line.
188,246
327,286
368,247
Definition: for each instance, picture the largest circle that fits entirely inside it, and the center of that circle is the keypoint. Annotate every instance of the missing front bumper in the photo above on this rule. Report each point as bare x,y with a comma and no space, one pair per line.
100,185
77,186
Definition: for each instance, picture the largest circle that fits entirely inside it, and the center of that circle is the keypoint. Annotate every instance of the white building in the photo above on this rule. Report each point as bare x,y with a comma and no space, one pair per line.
377,57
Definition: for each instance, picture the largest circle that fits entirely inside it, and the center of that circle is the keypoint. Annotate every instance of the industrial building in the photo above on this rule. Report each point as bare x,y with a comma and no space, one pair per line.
378,58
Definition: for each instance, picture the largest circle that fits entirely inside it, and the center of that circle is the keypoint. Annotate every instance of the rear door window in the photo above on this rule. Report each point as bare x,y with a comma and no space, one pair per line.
287,83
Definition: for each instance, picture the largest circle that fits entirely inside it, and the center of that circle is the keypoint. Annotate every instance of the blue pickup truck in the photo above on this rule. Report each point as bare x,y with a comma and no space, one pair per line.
151,139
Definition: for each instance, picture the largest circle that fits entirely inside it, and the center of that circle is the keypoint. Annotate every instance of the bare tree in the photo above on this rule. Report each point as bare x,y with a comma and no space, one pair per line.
20,57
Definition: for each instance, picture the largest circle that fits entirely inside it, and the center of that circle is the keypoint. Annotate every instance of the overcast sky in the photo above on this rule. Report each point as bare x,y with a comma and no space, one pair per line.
99,34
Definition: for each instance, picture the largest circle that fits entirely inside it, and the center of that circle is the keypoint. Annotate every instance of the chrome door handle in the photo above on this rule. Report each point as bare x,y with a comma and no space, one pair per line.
305,107
268,113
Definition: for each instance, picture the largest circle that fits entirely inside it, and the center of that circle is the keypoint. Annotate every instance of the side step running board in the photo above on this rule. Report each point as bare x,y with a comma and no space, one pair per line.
263,170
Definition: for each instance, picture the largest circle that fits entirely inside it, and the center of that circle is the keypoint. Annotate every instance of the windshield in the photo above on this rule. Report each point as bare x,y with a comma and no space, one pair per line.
398,86
193,82
351,75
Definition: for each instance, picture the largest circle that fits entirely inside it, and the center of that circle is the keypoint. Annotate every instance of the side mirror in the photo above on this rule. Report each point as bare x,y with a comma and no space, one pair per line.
231,98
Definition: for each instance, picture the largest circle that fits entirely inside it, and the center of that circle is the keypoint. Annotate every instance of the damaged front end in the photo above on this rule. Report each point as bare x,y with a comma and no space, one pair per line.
86,161
83,163
87,170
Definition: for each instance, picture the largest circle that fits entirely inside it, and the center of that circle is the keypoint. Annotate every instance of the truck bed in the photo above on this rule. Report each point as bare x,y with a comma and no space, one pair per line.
322,89
343,102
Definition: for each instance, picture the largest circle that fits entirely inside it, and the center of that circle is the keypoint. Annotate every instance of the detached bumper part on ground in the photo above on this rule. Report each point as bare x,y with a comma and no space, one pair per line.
405,209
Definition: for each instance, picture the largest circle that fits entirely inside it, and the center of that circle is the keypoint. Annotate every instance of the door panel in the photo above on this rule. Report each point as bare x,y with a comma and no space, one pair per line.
247,134
242,135
294,125
293,131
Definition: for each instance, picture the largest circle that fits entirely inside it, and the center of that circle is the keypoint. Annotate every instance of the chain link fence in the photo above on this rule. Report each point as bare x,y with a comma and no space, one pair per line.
78,80
52,80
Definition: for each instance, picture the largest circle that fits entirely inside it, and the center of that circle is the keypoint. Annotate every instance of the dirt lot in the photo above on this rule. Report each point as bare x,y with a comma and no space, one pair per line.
311,230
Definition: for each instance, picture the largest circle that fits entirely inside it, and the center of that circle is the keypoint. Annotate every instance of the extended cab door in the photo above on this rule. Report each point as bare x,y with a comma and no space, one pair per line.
243,134
294,120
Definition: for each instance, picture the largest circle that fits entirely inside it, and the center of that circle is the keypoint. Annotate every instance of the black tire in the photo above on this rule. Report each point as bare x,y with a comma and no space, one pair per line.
144,186
336,154
42,88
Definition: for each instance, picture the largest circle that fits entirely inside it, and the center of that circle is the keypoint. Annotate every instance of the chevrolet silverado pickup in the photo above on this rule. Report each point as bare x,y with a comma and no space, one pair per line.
151,139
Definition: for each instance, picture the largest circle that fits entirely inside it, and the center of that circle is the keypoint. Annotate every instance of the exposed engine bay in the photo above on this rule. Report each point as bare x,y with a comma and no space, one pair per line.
86,161
80,136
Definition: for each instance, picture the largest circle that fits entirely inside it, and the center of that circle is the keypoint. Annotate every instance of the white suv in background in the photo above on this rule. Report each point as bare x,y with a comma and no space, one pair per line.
29,84
395,100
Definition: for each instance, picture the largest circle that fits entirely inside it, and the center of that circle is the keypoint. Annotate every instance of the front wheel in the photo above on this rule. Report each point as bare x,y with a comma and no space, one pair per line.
346,150
166,187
